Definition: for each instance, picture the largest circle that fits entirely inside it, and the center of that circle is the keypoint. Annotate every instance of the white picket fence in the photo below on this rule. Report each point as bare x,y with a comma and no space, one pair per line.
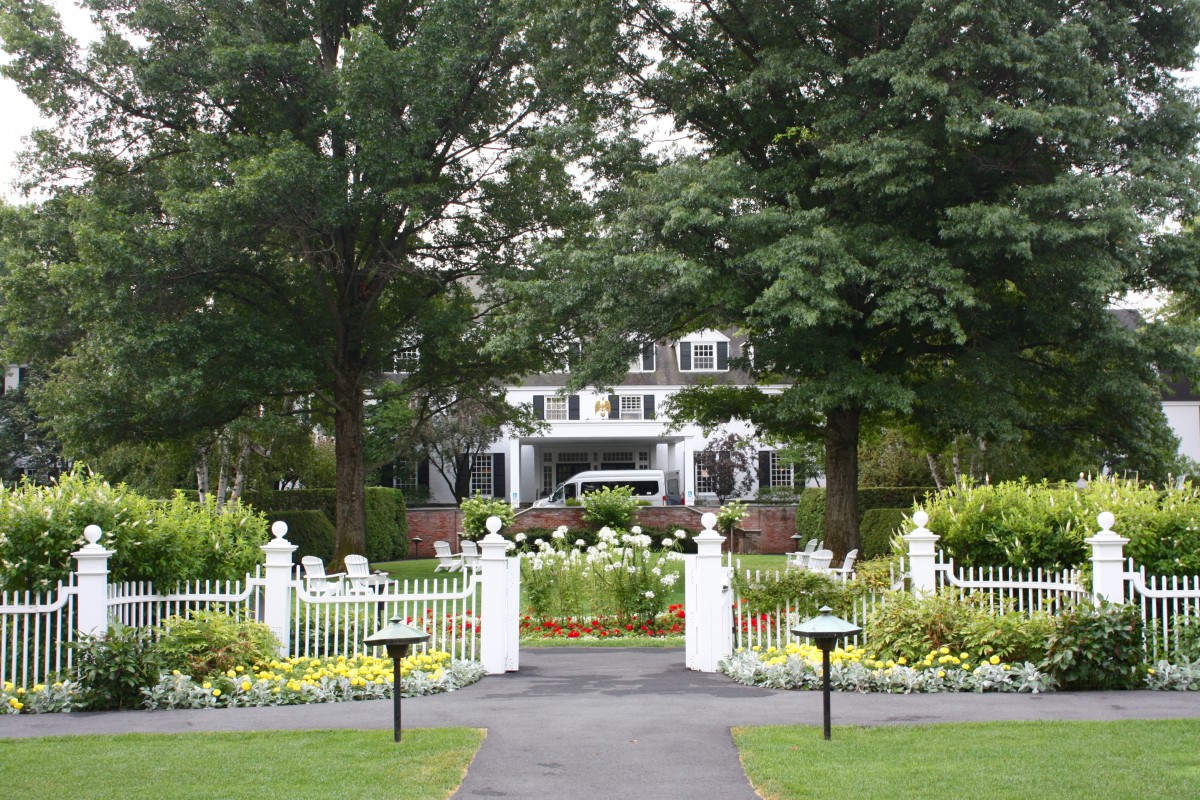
448,611
36,630
1165,603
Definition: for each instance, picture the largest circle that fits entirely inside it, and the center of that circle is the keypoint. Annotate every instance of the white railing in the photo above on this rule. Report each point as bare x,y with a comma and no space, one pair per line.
1163,602
325,625
1007,589
138,604
35,634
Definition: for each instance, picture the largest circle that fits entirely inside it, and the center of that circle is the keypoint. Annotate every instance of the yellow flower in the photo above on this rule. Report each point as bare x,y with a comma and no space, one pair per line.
246,686
994,659
941,673
964,656
1149,672
241,669
966,666
944,650
15,703
206,685
216,692
902,660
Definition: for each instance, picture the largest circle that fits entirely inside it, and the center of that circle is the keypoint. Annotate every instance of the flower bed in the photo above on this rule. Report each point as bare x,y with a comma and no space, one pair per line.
798,666
604,627
277,683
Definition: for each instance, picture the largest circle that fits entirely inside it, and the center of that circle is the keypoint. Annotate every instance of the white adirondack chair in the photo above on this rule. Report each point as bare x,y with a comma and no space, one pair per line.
846,570
470,554
800,559
819,560
359,577
315,579
446,559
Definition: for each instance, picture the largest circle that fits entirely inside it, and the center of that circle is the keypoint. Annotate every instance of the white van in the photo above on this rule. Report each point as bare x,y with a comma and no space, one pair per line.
649,486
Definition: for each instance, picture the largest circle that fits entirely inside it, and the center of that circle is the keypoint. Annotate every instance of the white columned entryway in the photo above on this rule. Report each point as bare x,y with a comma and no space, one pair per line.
514,471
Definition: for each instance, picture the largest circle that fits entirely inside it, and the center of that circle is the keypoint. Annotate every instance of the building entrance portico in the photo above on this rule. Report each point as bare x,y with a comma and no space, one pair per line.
541,463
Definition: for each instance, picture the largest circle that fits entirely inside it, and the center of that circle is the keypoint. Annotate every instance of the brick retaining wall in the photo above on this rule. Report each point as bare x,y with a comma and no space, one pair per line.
766,529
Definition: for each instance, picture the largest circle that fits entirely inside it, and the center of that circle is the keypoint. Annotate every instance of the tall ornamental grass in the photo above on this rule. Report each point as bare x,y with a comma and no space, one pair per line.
1029,525
164,541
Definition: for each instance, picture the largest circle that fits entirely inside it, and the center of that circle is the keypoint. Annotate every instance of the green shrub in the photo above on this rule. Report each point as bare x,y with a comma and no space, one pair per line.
1096,647
477,509
111,668
208,642
153,540
876,530
386,519
804,591
311,531
610,507
1028,525
810,509
810,514
911,627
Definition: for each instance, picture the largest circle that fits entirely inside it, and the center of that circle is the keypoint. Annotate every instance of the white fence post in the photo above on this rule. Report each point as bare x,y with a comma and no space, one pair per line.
709,621
1108,561
497,645
92,583
922,553
277,603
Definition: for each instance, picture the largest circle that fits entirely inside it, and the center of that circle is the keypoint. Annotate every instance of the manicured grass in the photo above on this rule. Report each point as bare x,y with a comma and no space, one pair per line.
428,764
1127,760
415,569
753,562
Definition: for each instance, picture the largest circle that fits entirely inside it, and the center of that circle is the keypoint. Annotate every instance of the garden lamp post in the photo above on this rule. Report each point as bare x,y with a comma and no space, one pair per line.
396,637
824,630
416,543
796,538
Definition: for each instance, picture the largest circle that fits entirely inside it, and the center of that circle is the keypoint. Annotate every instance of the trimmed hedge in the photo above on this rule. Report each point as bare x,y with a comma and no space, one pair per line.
810,510
876,529
311,531
386,517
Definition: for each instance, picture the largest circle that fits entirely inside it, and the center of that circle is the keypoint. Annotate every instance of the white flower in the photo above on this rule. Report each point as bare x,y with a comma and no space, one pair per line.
602,546
580,543
520,537
667,542
669,579
561,529
649,595
680,534
539,541
631,570
559,534
656,571
635,530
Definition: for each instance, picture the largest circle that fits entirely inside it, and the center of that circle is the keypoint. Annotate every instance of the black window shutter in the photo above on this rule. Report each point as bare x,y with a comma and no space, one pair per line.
498,486
648,406
387,475
685,356
423,473
722,355
573,407
764,468
615,411
648,357
539,406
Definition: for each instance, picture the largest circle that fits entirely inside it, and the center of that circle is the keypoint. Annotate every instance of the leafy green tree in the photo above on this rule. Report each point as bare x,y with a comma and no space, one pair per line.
913,210
262,199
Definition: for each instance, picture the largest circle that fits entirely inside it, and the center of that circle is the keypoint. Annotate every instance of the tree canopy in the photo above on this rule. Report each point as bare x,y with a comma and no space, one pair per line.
261,199
913,210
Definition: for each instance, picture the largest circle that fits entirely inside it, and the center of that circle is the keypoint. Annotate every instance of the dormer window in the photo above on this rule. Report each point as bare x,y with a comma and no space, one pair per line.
704,353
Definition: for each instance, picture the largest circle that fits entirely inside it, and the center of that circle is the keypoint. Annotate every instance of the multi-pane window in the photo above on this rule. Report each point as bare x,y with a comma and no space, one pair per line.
631,406
782,472
481,474
706,481
704,356
556,407
404,475
405,359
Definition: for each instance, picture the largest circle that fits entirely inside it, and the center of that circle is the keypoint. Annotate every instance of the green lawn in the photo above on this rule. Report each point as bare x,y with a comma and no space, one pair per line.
1128,760
428,764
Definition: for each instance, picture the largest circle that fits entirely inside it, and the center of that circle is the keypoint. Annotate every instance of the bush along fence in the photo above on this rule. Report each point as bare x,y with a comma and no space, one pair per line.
732,613
477,620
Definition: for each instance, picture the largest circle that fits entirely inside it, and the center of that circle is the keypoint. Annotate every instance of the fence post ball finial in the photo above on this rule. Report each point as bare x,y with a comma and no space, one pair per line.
494,524
920,518
708,520
1106,520
279,529
92,533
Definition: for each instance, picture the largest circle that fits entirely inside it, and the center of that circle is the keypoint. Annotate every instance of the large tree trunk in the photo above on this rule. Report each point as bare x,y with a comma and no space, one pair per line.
351,469
841,481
